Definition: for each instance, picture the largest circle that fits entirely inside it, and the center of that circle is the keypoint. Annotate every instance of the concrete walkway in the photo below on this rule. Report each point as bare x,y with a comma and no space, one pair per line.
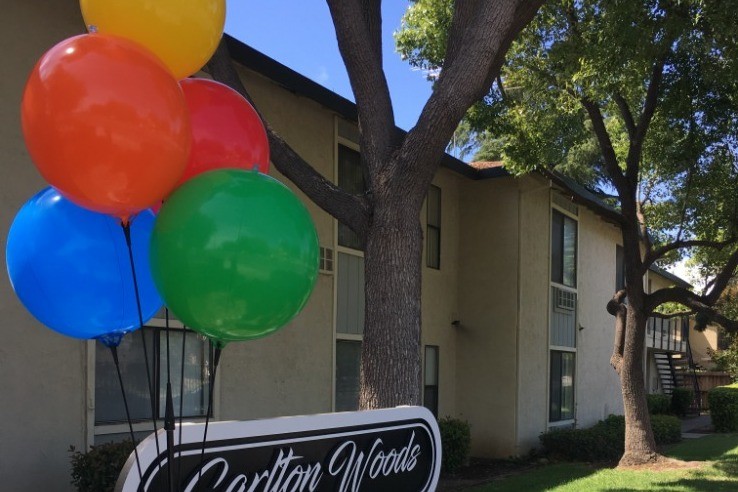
695,427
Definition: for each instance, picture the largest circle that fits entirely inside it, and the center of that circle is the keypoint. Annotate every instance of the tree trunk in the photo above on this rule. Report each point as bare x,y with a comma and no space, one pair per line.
390,361
640,446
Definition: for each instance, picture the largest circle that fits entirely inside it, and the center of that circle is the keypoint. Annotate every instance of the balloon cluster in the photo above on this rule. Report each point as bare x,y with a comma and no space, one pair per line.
111,124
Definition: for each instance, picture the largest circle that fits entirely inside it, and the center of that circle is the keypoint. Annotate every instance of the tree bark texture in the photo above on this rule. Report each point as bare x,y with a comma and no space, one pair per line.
390,360
640,446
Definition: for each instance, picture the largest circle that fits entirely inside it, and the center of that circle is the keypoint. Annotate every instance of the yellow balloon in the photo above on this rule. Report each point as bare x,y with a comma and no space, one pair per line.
182,33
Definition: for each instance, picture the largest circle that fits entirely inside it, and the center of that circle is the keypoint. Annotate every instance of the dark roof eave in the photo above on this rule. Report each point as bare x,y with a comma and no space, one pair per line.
585,197
298,84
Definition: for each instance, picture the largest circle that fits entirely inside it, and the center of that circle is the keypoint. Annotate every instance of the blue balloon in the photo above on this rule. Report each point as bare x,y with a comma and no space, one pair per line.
70,268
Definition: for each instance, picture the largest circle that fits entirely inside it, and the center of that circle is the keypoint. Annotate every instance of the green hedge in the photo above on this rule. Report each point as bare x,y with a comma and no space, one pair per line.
97,470
667,429
658,404
605,441
681,400
723,402
455,443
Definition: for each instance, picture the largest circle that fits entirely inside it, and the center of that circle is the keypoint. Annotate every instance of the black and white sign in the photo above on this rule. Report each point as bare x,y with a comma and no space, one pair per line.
396,449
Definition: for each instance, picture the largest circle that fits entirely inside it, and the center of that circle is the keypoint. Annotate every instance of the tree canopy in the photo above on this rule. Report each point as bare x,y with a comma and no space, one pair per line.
579,59
639,102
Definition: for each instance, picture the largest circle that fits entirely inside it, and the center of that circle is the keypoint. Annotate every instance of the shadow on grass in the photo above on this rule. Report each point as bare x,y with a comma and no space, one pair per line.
719,473
711,448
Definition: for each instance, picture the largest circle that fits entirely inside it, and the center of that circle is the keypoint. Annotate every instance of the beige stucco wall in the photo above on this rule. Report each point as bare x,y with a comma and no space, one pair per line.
440,292
486,339
257,380
41,372
597,388
532,340
701,342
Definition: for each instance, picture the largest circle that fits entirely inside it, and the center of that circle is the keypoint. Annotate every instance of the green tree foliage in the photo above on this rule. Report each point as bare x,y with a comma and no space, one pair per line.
639,102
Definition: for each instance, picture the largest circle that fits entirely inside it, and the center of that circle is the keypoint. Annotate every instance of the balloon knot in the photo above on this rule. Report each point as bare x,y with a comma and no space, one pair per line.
111,339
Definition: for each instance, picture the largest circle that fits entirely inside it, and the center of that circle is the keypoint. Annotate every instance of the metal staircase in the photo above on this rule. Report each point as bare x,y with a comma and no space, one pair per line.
677,370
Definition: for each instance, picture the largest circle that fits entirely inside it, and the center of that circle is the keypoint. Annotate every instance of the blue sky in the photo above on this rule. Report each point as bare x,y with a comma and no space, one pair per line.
300,34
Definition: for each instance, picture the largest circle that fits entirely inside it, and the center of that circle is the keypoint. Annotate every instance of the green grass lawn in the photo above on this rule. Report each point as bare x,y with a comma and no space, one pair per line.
720,472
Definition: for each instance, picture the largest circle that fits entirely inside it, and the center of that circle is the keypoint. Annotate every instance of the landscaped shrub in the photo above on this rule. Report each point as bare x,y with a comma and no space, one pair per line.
455,443
602,442
681,400
658,404
97,470
605,441
667,429
723,402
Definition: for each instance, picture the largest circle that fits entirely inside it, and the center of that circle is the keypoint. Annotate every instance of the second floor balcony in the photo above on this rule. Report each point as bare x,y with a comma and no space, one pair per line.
669,334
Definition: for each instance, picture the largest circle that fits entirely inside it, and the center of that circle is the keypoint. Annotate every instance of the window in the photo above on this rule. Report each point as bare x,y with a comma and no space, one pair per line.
563,249
561,386
109,407
563,315
348,363
619,268
433,229
349,264
430,378
351,180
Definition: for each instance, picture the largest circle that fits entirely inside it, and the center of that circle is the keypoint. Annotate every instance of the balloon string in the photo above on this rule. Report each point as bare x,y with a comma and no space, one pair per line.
114,353
216,360
169,414
127,233
181,395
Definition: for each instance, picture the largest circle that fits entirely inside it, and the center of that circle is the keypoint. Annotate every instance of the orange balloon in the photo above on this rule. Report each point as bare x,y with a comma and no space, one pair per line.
106,124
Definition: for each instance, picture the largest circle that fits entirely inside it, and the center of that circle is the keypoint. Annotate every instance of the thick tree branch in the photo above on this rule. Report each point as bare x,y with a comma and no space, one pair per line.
630,125
614,304
720,282
480,35
608,152
616,359
354,211
659,253
503,94
650,103
645,236
358,25
687,190
696,304
679,295
619,309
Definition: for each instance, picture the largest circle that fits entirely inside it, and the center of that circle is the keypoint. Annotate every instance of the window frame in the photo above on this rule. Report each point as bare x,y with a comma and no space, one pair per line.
340,141
342,229
572,215
432,261
566,217
569,418
436,386
102,430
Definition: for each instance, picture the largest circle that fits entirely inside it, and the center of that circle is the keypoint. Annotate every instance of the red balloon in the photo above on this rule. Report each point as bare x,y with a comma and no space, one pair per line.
106,124
227,132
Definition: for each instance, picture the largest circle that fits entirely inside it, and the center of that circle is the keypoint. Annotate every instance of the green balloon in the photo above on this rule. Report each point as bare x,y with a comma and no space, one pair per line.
234,254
